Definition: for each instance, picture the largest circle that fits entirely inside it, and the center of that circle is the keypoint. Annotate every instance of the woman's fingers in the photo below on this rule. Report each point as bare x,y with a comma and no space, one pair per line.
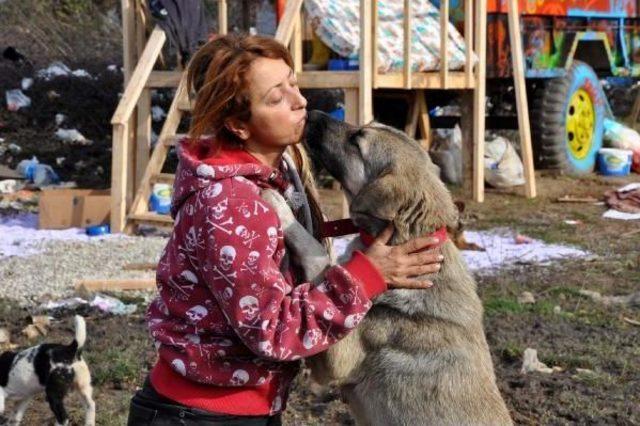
408,283
418,244
385,235
415,271
424,258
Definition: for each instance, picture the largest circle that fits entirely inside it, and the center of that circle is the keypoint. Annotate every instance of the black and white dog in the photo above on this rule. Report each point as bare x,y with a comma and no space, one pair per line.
49,367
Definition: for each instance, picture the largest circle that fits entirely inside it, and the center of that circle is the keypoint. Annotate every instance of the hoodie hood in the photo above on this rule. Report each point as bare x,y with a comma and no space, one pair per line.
202,164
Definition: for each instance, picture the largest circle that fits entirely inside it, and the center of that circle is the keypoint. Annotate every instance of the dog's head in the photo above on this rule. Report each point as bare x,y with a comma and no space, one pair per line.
386,175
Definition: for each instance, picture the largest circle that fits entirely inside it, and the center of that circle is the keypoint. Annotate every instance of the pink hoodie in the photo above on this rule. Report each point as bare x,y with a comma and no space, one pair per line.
229,325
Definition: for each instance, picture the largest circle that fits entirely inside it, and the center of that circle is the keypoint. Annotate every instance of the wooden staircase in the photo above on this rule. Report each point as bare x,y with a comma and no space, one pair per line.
127,213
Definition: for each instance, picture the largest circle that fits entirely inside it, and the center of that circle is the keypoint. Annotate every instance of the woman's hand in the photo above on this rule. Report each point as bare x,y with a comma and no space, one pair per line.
398,264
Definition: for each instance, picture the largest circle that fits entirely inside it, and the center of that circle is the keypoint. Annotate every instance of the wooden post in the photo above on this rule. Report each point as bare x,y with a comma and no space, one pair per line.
521,98
222,17
365,101
296,45
287,23
407,43
444,43
374,42
424,121
468,39
412,118
143,109
128,38
479,105
119,160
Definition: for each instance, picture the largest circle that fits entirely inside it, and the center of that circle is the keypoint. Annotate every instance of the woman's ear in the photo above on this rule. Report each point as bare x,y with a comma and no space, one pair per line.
238,128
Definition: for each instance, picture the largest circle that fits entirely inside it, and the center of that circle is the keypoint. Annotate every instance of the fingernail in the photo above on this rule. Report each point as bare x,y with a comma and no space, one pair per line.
436,240
440,257
438,266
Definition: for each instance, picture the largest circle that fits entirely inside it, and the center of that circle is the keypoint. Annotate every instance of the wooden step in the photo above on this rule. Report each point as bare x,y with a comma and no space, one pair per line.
151,217
163,178
185,105
173,139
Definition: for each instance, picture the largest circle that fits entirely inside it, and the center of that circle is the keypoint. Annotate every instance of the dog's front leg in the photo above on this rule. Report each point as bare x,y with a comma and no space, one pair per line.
21,407
308,252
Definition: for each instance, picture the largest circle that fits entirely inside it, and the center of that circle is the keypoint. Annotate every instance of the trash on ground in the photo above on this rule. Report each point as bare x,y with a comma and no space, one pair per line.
557,309
16,100
38,174
526,298
80,73
624,202
7,173
572,222
446,153
160,199
620,136
14,149
60,118
70,303
112,305
530,363
26,83
573,199
72,136
522,239
157,113
614,161
631,321
9,186
5,335
632,299
56,69
503,167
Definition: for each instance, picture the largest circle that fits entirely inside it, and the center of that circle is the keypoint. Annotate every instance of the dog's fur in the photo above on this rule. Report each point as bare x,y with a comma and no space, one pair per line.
49,367
419,356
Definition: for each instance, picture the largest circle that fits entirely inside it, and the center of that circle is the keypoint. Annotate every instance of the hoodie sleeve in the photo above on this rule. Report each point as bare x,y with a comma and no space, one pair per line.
240,262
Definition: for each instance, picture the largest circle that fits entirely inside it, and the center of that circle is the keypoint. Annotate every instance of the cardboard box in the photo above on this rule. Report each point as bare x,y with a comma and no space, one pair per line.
73,208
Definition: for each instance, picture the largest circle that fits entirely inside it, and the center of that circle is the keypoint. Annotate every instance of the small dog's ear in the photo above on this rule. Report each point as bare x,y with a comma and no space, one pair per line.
376,204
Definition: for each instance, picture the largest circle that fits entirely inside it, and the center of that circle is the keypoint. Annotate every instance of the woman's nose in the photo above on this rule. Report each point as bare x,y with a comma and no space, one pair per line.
298,101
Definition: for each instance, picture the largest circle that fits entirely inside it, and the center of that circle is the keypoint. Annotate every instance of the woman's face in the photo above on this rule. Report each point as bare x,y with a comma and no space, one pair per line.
278,110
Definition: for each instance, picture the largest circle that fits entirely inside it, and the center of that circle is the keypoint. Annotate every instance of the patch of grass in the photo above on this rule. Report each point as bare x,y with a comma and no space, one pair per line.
115,366
511,352
594,378
501,305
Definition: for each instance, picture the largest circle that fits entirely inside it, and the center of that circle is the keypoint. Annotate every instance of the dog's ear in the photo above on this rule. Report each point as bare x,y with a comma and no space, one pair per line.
376,204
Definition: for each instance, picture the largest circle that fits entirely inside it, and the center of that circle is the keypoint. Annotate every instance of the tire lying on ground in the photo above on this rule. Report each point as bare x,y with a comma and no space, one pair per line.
567,120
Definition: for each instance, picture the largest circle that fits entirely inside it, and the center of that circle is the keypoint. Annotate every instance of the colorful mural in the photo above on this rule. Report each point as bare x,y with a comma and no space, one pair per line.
569,7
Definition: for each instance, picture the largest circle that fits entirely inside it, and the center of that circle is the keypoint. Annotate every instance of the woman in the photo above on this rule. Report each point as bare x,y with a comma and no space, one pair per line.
232,321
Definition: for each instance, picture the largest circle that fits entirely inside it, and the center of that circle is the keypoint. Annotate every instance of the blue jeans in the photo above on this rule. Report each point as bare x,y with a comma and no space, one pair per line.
148,408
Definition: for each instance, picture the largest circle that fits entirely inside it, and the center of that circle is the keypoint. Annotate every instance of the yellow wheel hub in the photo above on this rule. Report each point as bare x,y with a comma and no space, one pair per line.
580,124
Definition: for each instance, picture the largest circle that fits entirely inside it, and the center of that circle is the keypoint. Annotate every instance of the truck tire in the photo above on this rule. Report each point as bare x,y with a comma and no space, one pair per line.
567,120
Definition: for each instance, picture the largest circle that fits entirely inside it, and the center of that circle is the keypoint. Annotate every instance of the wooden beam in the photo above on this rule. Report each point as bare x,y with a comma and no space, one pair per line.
423,80
139,77
479,105
119,161
444,43
128,38
222,17
407,44
288,21
517,58
328,79
143,135
365,93
161,79
468,40
412,117
116,284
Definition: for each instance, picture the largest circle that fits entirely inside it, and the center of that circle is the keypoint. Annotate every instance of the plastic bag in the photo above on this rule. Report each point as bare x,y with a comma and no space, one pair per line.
502,165
16,100
40,174
620,136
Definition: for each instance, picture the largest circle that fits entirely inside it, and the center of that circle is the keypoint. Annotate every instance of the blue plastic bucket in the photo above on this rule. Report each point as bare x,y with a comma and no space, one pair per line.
614,162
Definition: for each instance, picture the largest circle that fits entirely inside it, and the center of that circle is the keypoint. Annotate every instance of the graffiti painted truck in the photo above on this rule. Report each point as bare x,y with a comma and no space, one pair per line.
569,45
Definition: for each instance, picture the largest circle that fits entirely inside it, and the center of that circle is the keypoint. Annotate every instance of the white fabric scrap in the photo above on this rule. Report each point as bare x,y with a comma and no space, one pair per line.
501,250
21,236
615,214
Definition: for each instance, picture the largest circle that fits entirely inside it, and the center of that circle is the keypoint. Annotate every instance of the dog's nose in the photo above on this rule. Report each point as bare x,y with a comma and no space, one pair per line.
315,119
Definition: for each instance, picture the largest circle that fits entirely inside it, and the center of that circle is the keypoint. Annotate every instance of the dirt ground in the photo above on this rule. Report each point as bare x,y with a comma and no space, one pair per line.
582,335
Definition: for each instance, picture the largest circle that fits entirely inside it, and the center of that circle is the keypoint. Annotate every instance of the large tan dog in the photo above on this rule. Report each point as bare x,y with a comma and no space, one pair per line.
419,357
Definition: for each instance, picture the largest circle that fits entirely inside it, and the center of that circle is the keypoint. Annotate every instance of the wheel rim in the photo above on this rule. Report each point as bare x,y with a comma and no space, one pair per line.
580,124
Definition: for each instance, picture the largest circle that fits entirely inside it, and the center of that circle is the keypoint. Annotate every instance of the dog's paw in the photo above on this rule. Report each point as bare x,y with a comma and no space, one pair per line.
279,204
